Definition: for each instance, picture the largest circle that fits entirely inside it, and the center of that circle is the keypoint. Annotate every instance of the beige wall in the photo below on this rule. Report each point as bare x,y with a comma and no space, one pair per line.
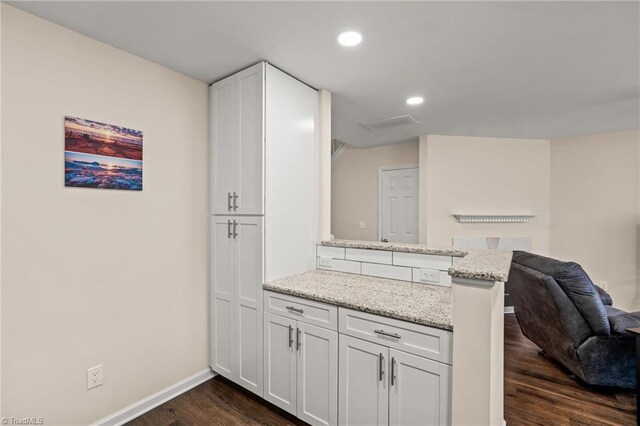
354,187
97,276
471,175
595,209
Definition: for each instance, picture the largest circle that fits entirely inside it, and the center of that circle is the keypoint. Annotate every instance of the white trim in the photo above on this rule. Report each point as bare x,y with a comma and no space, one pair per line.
509,310
152,401
493,218
386,169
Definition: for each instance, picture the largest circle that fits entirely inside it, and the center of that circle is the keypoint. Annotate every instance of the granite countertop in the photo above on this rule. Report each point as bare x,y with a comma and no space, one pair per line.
399,247
415,302
489,265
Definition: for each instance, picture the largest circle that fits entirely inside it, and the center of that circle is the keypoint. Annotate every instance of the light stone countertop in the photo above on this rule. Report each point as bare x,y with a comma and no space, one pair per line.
399,247
419,303
489,265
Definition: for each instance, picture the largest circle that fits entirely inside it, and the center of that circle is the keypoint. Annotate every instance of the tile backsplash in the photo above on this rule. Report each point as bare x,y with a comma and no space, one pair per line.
411,267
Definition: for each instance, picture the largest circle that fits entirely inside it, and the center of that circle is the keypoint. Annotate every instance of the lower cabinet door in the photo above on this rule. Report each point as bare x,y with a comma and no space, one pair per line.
364,392
317,374
419,390
280,362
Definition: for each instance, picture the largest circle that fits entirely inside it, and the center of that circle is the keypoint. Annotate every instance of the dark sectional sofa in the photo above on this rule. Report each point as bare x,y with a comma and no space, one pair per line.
561,310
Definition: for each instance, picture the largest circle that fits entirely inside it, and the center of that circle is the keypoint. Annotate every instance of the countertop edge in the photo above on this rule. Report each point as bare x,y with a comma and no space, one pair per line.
339,303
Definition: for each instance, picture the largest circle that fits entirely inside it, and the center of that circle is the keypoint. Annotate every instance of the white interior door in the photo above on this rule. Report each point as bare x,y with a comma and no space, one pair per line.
398,215
317,375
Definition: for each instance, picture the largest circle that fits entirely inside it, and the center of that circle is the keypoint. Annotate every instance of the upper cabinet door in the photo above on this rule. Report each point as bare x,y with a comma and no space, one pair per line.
419,391
224,147
250,150
364,390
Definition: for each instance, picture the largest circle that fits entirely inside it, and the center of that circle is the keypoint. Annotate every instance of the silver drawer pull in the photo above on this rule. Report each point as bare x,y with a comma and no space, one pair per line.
384,333
229,198
292,309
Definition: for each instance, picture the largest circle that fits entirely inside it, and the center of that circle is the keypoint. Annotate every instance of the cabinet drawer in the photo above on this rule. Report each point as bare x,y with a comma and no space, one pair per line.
417,339
298,308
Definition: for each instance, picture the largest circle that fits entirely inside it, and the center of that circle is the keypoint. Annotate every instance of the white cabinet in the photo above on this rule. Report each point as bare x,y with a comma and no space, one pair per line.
301,369
263,206
364,389
419,391
280,362
380,386
237,271
238,143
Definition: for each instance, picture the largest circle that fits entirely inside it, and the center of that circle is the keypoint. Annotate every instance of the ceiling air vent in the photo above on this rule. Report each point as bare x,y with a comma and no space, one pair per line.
389,122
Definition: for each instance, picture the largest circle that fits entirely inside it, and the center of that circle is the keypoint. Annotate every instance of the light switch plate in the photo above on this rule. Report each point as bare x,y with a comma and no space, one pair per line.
326,262
430,276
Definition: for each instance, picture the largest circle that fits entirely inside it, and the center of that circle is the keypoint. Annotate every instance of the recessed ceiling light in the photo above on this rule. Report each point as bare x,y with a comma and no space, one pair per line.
415,100
349,38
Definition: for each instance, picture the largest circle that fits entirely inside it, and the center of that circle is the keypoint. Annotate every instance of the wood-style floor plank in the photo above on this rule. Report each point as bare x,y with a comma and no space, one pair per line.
538,392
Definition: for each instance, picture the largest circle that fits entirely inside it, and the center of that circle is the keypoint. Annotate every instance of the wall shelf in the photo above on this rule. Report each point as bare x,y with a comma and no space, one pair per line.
488,218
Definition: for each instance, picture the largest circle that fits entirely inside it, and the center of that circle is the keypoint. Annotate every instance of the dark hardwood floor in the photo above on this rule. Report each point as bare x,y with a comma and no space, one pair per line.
537,392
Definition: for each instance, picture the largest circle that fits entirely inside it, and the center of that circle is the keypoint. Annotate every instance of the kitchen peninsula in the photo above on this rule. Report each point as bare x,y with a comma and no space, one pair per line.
416,337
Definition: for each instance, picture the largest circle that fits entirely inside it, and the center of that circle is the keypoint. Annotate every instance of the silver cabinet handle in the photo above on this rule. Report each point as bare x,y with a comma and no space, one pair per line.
297,310
228,201
380,366
393,371
298,342
384,333
235,201
229,229
235,229
290,336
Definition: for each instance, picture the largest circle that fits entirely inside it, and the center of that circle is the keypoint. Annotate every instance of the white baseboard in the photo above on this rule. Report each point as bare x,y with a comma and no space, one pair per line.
152,401
508,310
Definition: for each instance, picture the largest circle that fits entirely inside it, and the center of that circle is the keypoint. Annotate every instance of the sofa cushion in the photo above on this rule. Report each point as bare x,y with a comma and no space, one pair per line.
576,284
620,321
606,297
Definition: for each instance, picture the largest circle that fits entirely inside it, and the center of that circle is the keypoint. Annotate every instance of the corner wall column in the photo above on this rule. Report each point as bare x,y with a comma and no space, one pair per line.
324,136
478,352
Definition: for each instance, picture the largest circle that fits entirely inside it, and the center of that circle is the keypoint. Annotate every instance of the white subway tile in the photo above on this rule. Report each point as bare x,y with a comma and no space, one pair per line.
416,260
341,266
387,271
373,256
332,252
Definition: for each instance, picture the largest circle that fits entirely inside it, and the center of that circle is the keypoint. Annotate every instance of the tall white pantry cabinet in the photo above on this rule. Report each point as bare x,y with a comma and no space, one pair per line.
263,207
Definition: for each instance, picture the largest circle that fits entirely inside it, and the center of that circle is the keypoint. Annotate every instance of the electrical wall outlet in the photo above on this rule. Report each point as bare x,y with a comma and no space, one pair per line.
430,276
94,377
362,224
326,262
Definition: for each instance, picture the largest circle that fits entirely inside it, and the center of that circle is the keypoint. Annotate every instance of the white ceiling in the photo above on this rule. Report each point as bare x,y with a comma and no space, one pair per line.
502,69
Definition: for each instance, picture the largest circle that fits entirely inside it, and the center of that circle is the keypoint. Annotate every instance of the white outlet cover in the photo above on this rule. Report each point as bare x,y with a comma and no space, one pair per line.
94,377
430,276
326,262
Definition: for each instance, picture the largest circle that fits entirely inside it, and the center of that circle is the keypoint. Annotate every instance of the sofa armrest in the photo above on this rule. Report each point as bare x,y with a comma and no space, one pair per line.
606,297
620,323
